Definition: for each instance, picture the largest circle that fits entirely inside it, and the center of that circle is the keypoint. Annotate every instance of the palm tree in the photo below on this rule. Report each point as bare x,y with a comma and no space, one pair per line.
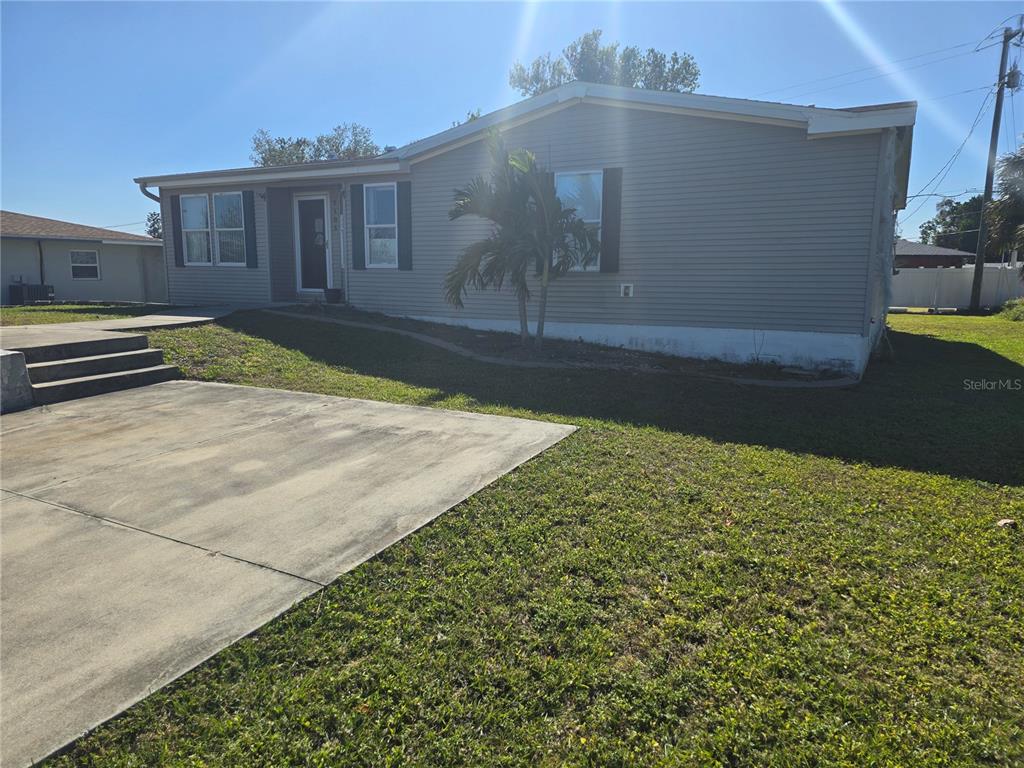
530,226
506,253
561,241
1005,215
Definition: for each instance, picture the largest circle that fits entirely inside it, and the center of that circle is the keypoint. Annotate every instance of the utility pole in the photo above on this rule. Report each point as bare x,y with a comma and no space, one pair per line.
979,257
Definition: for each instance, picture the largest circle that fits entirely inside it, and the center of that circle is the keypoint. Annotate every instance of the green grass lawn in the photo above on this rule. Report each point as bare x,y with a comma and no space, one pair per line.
703,574
73,313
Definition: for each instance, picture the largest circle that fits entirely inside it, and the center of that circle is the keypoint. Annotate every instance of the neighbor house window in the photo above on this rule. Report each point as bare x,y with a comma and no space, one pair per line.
195,229
381,225
85,265
582,191
229,225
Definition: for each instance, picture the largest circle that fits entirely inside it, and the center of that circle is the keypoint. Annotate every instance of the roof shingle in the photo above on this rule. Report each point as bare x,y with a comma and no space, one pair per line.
23,225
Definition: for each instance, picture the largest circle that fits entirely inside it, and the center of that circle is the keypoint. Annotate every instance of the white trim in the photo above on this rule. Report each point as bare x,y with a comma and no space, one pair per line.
71,266
816,350
157,243
185,231
596,266
297,240
367,227
246,176
215,230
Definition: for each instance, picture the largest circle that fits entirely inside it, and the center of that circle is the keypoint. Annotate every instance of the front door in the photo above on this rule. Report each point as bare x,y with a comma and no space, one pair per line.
313,243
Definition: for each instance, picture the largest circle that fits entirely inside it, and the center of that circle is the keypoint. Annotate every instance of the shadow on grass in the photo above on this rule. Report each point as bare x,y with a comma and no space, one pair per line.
917,412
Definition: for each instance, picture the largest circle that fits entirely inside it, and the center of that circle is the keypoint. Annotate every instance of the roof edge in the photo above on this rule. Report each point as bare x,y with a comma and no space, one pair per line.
817,121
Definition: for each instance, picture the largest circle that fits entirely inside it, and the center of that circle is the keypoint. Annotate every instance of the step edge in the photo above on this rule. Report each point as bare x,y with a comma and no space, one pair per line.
73,360
44,385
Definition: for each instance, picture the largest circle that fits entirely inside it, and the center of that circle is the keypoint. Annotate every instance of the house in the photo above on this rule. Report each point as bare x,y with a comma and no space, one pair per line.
80,262
911,254
733,229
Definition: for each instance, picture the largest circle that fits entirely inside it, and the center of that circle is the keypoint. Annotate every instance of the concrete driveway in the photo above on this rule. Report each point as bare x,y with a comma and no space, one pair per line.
143,531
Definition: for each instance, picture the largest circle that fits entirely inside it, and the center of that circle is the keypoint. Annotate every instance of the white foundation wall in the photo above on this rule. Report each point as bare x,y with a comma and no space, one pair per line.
845,352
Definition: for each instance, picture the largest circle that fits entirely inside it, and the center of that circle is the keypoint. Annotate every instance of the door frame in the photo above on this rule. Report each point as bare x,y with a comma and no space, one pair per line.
297,238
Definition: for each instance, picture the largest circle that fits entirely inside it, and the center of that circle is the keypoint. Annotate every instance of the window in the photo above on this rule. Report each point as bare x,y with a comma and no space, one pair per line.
582,191
381,225
85,265
195,229
229,223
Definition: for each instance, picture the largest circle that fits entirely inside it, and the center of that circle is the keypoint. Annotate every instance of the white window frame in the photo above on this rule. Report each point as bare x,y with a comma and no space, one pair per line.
214,229
208,230
366,226
71,265
596,265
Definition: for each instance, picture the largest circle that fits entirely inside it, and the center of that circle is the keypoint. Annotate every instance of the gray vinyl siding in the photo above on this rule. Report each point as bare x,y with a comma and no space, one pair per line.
724,224
128,272
199,285
280,205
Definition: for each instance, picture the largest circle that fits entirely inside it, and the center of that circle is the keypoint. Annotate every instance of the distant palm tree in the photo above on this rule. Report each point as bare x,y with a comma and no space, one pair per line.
1005,215
531,226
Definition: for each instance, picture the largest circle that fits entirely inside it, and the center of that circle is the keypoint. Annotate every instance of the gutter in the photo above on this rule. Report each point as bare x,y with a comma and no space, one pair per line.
143,189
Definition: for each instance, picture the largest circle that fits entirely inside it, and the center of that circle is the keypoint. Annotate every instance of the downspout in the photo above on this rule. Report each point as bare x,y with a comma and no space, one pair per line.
42,269
167,275
147,193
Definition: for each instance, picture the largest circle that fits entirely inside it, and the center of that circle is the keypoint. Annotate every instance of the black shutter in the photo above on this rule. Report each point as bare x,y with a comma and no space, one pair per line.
355,195
179,254
549,180
249,211
404,225
611,219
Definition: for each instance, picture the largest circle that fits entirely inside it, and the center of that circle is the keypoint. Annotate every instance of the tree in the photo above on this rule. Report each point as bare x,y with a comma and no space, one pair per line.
587,60
470,117
505,254
154,226
1005,214
531,227
347,141
955,225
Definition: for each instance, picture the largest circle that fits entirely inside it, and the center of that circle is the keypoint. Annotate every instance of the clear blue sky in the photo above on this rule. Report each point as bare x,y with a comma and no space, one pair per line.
95,94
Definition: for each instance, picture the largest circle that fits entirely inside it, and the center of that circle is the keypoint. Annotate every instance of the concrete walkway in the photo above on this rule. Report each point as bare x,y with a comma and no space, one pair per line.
17,336
145,530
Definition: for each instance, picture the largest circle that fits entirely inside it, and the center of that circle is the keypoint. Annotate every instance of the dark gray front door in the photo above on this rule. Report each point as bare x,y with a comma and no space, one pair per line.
312,244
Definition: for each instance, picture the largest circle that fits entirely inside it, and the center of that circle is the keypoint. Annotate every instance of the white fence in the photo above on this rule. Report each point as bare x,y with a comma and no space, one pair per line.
951,287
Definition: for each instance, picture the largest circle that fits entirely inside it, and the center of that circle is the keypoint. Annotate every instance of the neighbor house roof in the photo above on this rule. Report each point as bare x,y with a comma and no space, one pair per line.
21,225
816,121
910,248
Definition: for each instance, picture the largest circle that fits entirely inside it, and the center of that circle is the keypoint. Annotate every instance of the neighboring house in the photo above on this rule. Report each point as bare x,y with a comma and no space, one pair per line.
82,263
911,254
734,229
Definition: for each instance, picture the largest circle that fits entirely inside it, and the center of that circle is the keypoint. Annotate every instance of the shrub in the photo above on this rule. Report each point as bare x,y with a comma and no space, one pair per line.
1013,310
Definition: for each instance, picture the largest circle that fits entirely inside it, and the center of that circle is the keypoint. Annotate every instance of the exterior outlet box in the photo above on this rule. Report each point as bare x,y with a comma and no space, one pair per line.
626,290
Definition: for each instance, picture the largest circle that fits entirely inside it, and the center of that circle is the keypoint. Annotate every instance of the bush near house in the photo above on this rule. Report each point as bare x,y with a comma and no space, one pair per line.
703,574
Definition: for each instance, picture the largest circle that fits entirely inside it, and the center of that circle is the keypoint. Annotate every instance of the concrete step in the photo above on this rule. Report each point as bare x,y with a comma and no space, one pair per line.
86,386
104,344
40,373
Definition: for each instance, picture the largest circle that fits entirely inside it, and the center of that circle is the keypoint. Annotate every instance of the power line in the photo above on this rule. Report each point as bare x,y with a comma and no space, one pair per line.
949,196
118,226
944,170
862,69
955,93
883,74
